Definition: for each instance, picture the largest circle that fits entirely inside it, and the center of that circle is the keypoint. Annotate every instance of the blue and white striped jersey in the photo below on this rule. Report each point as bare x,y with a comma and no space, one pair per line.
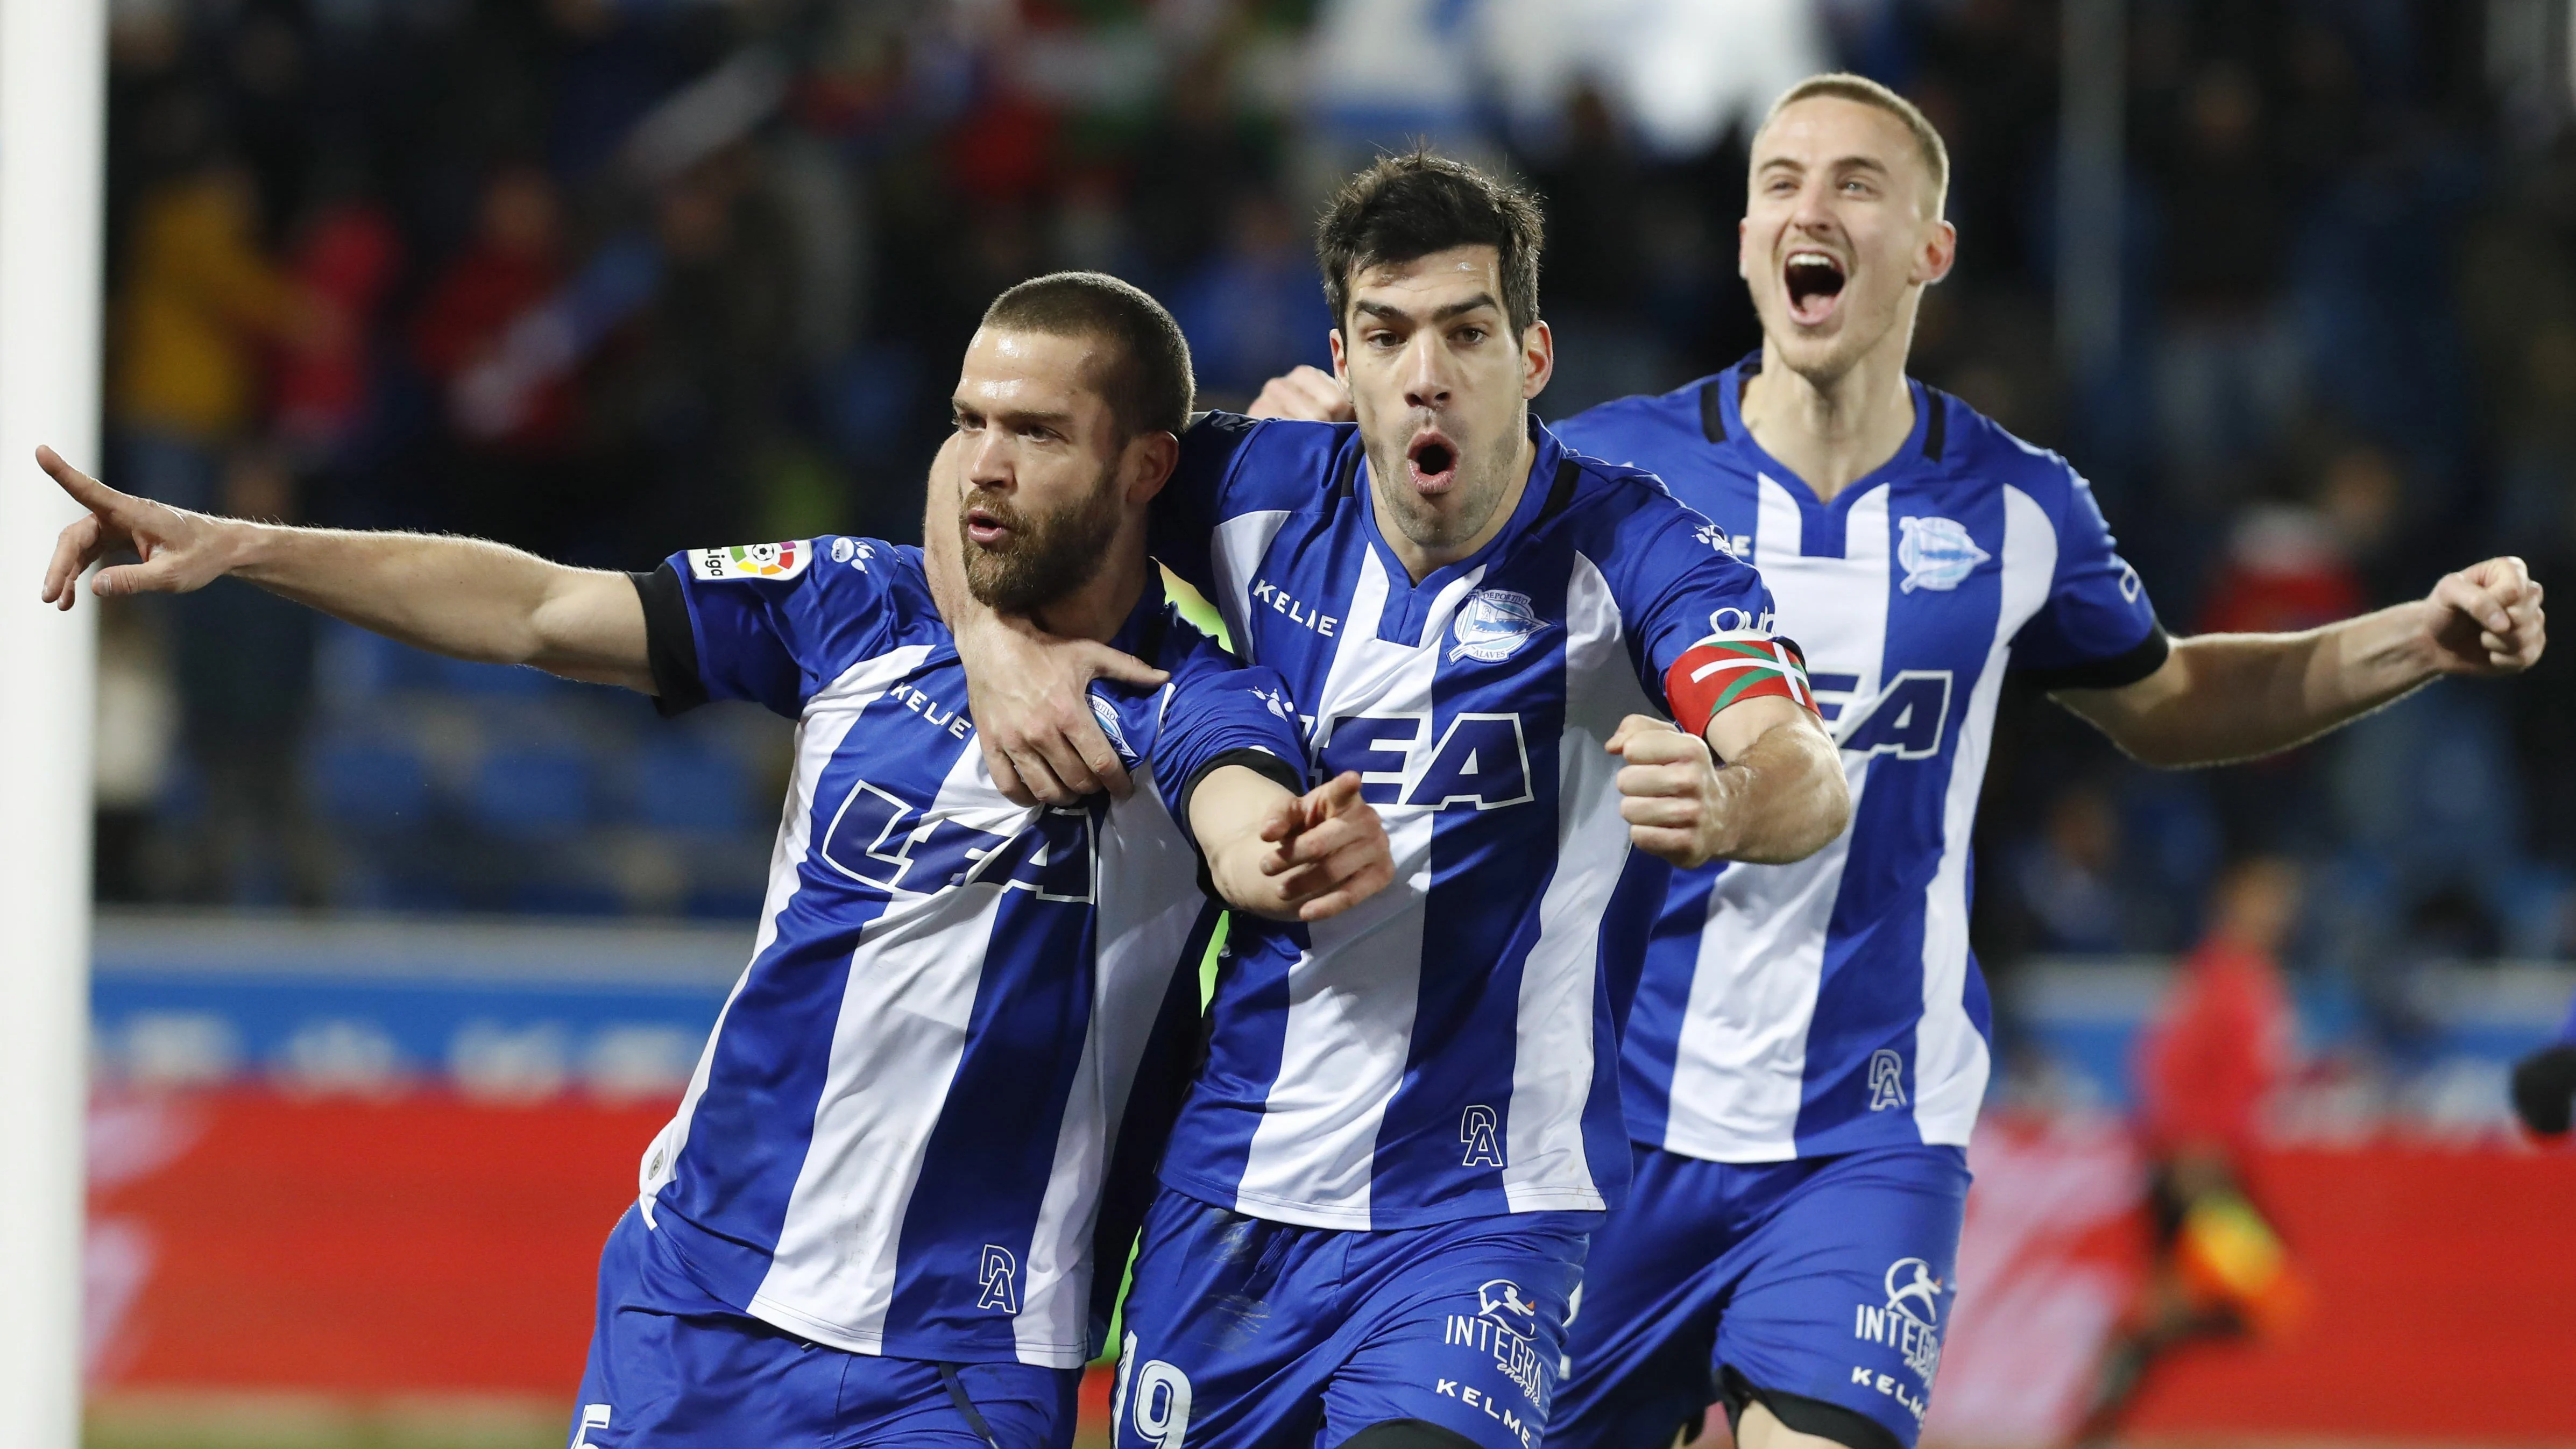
959,1012
1446,1049
1830,1005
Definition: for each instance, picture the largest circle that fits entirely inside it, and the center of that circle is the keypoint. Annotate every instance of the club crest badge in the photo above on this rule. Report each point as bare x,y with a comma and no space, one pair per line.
1107,716
1493,625
751,561
1937,553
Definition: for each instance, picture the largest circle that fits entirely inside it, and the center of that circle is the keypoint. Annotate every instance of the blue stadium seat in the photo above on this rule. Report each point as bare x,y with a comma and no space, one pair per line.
691,787
369,786
562,897
356,666
507,680
529,794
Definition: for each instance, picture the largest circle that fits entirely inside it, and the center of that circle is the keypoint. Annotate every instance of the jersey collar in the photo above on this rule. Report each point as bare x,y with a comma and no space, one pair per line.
1407,603
1722,420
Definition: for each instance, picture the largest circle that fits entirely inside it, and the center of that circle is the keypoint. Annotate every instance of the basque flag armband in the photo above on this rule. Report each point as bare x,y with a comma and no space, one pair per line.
1725,668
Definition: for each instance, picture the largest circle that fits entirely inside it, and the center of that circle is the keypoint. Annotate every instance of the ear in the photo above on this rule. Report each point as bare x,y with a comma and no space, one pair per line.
1940,252
1743,239
1148,464
1538,359
1341,363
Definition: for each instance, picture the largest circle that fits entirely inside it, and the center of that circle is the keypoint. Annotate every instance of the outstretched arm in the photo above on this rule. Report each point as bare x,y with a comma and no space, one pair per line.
1764,784
457,596
1289,857
1027,690
2222,697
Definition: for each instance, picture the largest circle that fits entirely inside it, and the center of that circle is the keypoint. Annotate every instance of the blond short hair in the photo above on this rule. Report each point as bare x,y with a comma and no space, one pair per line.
1861,90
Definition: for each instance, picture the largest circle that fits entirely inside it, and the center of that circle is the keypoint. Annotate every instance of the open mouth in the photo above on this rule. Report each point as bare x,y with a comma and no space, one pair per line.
1433,462
986,528
1814,281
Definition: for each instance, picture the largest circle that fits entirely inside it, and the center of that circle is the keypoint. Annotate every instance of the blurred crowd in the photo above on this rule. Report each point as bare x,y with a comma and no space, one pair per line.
608,278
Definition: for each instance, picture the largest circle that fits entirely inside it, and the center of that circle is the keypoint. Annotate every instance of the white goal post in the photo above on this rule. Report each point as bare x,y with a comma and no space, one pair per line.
53,74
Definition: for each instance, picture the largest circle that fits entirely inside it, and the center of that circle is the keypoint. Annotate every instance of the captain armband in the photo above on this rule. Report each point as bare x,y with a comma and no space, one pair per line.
1725,669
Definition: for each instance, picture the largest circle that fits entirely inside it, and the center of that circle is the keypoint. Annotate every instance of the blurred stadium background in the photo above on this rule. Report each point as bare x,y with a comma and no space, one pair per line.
400,962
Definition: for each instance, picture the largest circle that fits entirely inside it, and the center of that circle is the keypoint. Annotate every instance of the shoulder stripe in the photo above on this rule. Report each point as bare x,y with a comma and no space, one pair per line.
1712,409
1350,471
1560,492
1936,433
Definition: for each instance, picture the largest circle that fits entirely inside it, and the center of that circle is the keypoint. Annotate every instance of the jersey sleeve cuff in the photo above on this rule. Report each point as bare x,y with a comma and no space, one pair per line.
1260,762
670,642
2119,670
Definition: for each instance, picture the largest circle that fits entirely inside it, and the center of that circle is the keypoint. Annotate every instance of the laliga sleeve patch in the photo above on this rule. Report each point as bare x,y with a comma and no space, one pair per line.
1725,669
750,561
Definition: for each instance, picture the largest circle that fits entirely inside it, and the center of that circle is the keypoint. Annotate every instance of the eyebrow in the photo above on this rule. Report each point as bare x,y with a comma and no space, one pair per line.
1454,309
1009,416
1866,163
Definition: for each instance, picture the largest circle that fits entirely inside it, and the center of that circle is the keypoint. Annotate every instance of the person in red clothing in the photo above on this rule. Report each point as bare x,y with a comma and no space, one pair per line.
509,472
514,263
2206,1070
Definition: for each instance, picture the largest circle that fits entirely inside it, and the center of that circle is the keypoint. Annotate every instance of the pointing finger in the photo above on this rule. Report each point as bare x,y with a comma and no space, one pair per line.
85,490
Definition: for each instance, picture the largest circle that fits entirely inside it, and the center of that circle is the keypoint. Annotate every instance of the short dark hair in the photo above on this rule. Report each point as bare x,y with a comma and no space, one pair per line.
1146,375
1409,206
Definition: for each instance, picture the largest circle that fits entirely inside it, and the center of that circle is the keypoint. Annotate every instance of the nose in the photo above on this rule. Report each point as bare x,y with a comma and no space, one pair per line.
988,459
1425,371
1812,214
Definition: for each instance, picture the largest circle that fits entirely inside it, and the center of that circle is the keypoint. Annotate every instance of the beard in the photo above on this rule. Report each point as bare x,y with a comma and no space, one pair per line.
1045,556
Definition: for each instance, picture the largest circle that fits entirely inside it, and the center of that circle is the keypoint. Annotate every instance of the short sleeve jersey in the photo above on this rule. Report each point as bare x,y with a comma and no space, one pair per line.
963,1027
1448,1048
1832,1004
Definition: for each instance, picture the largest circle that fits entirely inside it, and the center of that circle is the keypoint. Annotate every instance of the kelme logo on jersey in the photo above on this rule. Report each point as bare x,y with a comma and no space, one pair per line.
751,561
1937,553
1493,625
1716,538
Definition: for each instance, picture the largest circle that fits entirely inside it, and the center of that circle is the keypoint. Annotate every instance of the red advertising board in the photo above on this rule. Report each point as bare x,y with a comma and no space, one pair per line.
242,1239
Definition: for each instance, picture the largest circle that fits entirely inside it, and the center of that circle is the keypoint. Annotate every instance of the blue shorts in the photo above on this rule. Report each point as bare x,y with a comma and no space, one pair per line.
1243,1332
671,1365
1818,1287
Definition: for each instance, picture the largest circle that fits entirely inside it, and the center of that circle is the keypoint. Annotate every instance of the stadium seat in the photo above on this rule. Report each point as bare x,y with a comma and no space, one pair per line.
369,786
510,680
526,794
691,787
355,667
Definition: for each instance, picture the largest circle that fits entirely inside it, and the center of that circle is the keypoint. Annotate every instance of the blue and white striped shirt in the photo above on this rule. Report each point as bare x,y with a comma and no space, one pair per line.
1832,1004
946,1048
